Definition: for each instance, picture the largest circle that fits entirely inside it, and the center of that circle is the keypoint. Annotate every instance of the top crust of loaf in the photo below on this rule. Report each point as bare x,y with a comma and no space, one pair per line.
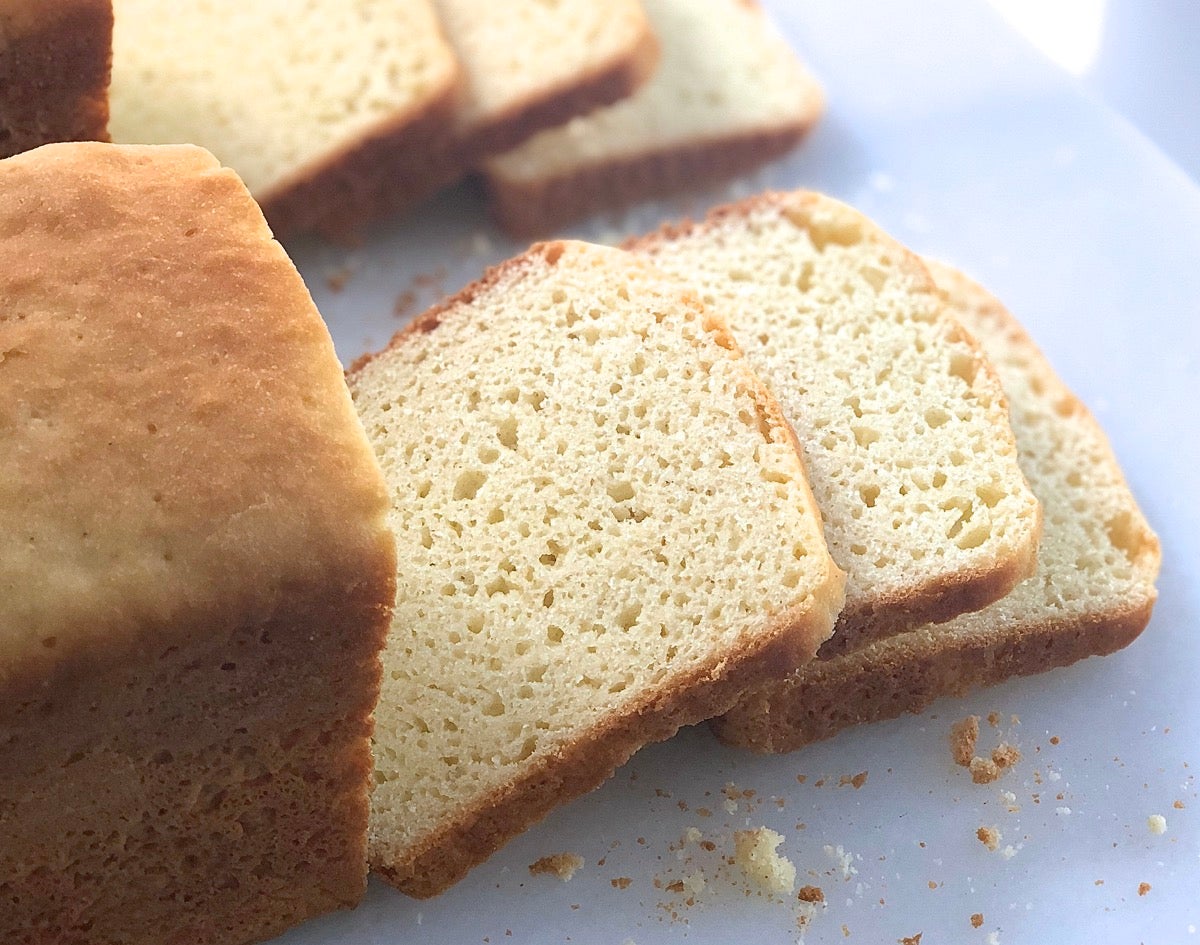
551,402
180,447
835,315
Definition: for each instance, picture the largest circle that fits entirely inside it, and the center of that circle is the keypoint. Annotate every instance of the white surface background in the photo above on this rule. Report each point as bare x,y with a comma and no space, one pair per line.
965,143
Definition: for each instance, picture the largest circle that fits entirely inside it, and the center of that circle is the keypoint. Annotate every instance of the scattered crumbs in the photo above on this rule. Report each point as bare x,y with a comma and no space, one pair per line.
659,792
1010,801
1054,739
1014,720
692,835
1098,882
1010,851
856,781
337,279
977,920
845,930
755,855
994,937
910,939
1062,811
1005,755
801,778
703,812
707,846
811,894
1178,805
562,865
621,882
989,837
820,782
1157,824
963,735
993,719
602,861
984,770
921,844
1143,888
682,805
932,884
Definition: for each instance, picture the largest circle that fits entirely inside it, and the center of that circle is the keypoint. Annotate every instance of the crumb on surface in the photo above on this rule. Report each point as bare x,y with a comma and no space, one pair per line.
1006,755
853,780
993,938
989,837
963,735
1054,739
811,894
755,855
562,865
993,719
1178,805
977,920
911,939
621,882
1143,888
1157,824
984,770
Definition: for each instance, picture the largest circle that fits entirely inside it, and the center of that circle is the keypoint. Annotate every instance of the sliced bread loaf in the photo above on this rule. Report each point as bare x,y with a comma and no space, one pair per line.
604,533
54,65
326,108
1092,593
903,423
728,96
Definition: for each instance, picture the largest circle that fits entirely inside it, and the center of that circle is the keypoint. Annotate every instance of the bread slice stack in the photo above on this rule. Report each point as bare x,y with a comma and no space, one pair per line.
604,532
337,113
729,95
1092,593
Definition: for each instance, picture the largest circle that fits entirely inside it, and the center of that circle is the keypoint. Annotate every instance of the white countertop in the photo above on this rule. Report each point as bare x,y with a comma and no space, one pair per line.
966,144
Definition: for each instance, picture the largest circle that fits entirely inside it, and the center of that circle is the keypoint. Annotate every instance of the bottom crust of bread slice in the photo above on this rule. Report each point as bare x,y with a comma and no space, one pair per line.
1092,592
903,422
729,95
604,530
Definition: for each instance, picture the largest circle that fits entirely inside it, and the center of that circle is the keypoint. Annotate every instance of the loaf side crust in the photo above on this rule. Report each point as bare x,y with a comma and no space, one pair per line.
55,62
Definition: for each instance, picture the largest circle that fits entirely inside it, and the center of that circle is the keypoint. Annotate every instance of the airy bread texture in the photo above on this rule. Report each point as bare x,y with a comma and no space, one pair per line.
54,70
604,530
902,421
728,96
1092,593
326,108
195,572
530,65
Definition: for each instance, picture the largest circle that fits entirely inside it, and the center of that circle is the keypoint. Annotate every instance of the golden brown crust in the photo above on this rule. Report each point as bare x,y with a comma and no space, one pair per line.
789,640
913,671
536,208
936,598
195,575
55,61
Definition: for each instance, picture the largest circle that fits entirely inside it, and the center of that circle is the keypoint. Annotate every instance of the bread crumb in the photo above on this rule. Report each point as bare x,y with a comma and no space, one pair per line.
1178,805
977,920
811,894
337,279
856,781
562,865
1157,824
1054,739
843,859
754,854
911,939
963,735
1143,888
1062,811
621,882
993,719
692,835
989,837
984,770
1006,755
994,937
1009,852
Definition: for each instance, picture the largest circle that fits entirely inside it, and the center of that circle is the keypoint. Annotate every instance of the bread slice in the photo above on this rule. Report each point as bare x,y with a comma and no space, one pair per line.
903,423
1092,593
530,65
728,96
195,572
54,69
604,533
326,108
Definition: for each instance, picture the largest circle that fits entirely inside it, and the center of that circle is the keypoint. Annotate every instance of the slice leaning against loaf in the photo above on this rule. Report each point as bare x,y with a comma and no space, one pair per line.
1091,594
323,107
903,423
604,531
728,96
